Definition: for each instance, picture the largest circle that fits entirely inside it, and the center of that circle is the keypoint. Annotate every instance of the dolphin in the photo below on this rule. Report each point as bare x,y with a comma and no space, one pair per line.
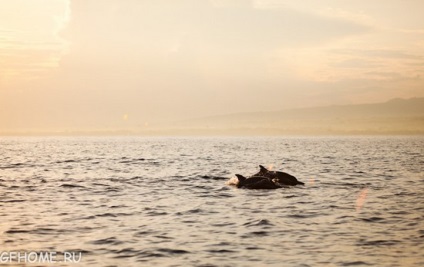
255,182
278,177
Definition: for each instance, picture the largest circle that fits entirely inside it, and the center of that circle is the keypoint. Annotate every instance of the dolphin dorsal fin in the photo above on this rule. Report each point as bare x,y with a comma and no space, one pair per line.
240,177
262,168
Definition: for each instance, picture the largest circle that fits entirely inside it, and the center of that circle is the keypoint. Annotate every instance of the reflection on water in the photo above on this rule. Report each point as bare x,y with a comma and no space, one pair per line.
361,199
164,201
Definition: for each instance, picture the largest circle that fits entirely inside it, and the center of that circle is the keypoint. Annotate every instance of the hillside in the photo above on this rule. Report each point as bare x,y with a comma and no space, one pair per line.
397,116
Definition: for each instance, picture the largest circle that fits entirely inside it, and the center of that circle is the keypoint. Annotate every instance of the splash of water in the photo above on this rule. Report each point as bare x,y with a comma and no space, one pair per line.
232,181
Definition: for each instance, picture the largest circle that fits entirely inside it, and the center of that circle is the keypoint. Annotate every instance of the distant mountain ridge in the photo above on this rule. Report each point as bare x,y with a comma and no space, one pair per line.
396,116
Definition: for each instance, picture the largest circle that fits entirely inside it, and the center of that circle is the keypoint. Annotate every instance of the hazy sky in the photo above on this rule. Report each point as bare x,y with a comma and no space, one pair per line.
100,64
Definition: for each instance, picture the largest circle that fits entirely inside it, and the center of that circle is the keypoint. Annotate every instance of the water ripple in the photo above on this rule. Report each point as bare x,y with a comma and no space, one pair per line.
132,201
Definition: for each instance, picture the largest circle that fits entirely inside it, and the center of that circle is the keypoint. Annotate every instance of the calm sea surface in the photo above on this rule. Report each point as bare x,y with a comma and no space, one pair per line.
135,201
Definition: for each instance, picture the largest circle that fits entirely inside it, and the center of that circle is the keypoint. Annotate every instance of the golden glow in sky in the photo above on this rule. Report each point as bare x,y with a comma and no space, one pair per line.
76,64
30,44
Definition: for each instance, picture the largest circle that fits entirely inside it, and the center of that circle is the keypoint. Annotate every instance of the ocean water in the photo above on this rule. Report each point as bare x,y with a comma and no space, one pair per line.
137,201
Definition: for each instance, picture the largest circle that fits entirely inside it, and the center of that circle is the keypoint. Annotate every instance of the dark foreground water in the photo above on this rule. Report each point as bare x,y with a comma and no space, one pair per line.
133,201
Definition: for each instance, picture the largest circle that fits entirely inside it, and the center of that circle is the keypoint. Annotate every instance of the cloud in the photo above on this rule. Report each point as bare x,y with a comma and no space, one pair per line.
30,46
201,22
185,55
331,65
193,39
170,59
354,63
379,53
